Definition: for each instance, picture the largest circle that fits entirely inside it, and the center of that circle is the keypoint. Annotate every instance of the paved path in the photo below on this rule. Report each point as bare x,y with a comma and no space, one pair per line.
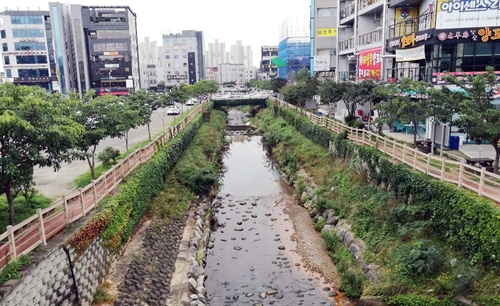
55,184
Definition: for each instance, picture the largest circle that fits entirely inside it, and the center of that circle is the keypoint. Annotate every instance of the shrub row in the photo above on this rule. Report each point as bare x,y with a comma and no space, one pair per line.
119,215
468,222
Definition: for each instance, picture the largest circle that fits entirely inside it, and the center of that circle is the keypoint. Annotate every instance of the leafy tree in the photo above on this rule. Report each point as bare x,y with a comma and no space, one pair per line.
330,92
478,117
100,117
177,94
204,86
277,84
355,94
408,102
299,93
133,112
34,133
147,102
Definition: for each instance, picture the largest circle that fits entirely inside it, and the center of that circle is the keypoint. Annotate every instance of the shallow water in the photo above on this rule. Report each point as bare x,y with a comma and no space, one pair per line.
253,253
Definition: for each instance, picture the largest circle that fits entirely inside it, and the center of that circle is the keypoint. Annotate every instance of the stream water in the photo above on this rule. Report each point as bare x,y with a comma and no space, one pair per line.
253,261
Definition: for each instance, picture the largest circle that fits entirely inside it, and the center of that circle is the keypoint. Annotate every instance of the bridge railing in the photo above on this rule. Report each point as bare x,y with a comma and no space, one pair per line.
478,180
36,230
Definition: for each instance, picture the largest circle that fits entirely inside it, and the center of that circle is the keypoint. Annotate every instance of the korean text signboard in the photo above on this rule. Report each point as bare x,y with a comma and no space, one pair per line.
321,63
369,64
483,34
452,14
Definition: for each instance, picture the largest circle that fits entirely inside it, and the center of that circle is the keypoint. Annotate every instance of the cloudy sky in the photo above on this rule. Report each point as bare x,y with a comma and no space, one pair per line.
254,22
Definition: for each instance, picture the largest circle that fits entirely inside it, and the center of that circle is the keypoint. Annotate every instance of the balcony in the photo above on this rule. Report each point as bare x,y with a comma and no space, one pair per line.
348,11
365,6
420,23
346,45
370,38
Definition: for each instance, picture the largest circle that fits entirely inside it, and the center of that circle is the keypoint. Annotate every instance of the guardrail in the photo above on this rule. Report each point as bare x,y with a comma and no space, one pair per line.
484,183
24,237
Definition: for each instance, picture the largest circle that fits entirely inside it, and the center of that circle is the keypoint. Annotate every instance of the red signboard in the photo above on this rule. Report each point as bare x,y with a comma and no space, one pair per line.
369,64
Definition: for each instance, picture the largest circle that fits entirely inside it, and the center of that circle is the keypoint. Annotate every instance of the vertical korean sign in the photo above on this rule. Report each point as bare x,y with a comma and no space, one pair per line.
369,64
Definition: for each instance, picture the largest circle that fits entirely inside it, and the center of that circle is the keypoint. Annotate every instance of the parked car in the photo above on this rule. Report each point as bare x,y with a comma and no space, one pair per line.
190,102
173,110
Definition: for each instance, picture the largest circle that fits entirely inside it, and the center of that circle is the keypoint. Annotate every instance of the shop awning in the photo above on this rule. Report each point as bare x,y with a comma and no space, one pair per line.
278,62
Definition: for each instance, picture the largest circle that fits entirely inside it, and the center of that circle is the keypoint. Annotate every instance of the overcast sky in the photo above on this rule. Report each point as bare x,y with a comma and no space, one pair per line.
254,22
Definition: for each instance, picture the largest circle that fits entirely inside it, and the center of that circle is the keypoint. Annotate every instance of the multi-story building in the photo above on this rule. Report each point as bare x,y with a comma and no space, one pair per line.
267,68
212,74
27,49
323,38
250,74
97,48
150,53
183,56
232,73
294,48
149,78
216,54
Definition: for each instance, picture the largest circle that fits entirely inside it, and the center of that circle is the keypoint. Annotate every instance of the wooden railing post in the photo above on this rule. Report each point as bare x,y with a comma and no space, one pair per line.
42,226
404,154
12,242
393,148
385,145
428,163
481,181
443,167
66,209
82,202
94,191
415,154
461,174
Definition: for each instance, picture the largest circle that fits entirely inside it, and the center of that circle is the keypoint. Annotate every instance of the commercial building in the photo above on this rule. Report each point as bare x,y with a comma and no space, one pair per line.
212,74
149,78
267,68
232,73
183,58
96,48
324,22
27,49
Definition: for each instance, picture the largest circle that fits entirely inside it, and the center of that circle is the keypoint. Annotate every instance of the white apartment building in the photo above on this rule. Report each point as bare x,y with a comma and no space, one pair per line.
183,58
27,50
216,54
149,79
232,73
250,74
150,53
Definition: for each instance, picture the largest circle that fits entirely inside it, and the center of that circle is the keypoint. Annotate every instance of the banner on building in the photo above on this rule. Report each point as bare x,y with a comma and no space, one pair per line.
326,32
452,14
321,63
408,55
369,64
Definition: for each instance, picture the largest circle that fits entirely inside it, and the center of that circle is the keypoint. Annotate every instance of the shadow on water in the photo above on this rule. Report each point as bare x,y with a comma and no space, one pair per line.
253,260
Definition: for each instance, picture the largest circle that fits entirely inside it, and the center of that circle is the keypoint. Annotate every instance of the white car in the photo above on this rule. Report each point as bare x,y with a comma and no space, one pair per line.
190,102
173,110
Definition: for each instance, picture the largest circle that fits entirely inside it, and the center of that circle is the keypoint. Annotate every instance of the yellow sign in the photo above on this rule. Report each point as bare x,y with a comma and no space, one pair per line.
326,32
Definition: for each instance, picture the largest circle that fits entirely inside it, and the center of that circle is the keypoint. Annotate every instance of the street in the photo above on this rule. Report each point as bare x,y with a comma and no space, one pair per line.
56,184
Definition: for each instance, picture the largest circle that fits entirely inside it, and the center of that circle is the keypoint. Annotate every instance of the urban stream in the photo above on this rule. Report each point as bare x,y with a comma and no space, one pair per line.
254,259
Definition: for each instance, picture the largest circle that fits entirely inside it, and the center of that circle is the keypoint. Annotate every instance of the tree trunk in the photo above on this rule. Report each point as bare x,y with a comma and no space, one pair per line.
149,131
91,166
497,157
10,202
126,140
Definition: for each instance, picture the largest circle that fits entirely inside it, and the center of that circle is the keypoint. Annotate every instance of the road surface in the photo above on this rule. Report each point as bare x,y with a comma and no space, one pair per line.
55,184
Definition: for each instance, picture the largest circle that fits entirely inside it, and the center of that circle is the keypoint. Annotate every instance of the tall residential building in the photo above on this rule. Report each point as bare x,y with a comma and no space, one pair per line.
216,54
323,38
96,48
27,49
150,53
267,68
183,56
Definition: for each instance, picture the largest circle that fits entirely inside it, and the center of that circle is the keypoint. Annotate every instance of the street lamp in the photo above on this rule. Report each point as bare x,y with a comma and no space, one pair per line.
109,80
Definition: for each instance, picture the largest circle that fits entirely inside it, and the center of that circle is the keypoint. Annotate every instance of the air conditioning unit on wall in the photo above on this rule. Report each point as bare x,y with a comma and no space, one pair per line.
351,58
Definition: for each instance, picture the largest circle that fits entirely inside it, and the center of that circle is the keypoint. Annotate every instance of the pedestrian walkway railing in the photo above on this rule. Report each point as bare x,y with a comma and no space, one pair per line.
478,180
35,231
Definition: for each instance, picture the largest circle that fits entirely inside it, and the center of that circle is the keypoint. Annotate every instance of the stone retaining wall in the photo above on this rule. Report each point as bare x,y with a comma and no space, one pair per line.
48,280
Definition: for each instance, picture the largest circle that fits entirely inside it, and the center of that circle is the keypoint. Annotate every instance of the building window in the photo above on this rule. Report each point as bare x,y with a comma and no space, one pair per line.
33,59
26,19
29,46
2,34
327,12
183,40
27,73
6,60
8,73
28,33
175,40
4,47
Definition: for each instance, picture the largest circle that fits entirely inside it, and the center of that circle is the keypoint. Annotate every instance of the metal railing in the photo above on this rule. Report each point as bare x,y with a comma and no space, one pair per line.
346,44
370,38
364,3
420,23
396,75
347,75
478,180
348,11
24,237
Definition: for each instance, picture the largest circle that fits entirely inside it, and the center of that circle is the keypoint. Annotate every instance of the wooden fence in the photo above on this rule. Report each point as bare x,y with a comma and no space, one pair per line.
479,180
46,223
